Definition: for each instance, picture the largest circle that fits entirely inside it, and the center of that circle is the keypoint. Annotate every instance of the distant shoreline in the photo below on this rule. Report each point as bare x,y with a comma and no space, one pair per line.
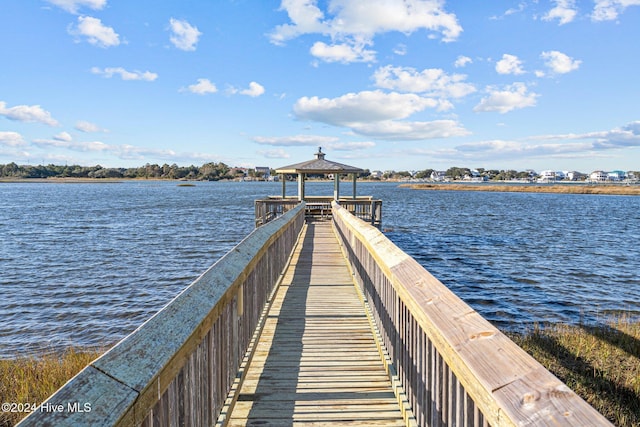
576,188
564,188
67,180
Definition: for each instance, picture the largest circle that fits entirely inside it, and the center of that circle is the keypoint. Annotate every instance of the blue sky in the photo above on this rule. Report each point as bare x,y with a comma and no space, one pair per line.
381,84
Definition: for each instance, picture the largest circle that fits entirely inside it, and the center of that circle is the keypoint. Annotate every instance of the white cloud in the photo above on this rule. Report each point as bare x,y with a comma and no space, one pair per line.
84,126
400,49
306,18
608,10
622,137
513,97
63,136
96,33
72,6
367,106
354,23
351,146
512,11
125,151
28,114
91,146
403,131
565,12
184,36
203,87
274,154
431,81
509,64
342,52
378,114
11,139
329,142
254,90
571,146
296,140
462,61
560,63
124,74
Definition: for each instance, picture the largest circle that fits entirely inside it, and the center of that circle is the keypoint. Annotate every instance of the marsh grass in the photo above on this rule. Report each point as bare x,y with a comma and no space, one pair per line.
599,362
31,380
576,188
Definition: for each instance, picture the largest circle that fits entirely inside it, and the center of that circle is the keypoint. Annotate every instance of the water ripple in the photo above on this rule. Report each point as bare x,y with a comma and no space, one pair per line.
87,264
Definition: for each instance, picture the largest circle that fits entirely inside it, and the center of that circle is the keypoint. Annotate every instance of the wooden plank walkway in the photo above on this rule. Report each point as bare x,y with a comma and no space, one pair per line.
317,362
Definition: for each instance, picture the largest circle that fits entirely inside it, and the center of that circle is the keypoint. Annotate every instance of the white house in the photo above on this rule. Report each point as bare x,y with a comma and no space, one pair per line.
438,175
617,176
546,176
598,176
573,175
474,176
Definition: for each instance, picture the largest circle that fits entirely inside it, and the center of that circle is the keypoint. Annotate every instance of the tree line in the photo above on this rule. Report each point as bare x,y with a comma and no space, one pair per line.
220,171
206,172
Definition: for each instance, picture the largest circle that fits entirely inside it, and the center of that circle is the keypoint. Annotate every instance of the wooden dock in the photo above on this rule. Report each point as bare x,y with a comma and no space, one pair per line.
317,361
324,323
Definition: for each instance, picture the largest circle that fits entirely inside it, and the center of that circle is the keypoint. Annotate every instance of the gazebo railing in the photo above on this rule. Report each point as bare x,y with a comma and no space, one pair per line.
319,207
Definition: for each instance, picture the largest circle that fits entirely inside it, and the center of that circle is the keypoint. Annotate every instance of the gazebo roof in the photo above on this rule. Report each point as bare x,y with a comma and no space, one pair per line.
318,165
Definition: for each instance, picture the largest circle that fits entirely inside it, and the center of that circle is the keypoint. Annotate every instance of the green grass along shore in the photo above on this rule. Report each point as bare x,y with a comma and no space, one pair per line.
601,363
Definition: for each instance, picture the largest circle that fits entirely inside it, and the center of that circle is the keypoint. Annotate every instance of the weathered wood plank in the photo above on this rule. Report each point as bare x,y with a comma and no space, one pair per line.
317,361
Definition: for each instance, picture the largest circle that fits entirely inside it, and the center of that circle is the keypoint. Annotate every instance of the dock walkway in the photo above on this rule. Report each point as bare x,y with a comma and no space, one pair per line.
317,362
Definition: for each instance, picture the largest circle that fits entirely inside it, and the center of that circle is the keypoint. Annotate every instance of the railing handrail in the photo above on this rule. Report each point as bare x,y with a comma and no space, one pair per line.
126,383
506,384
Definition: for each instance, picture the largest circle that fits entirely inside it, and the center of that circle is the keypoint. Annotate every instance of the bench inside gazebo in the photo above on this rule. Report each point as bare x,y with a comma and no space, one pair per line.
319,207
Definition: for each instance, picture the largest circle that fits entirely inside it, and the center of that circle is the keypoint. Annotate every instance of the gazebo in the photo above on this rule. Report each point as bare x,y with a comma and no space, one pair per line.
318,207
319,165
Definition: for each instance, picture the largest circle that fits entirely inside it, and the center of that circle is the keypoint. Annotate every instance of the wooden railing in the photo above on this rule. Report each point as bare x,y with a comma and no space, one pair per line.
455,368
269,209
367,210
179,366
364,207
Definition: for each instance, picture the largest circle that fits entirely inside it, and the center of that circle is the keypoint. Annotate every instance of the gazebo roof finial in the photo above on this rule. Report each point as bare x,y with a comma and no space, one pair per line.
320,154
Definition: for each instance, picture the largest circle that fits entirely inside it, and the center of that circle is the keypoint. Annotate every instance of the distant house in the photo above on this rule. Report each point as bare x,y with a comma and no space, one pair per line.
438,175
547,176
376,174
598,176
474,176
238,172
574,175
263,172
617,176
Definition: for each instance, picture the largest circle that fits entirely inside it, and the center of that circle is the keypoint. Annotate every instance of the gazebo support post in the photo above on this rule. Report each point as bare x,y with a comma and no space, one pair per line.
283,177
336,187
301,186
355,177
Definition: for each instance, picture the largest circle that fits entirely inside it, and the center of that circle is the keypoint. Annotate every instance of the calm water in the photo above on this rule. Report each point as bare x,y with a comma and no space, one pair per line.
86,264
